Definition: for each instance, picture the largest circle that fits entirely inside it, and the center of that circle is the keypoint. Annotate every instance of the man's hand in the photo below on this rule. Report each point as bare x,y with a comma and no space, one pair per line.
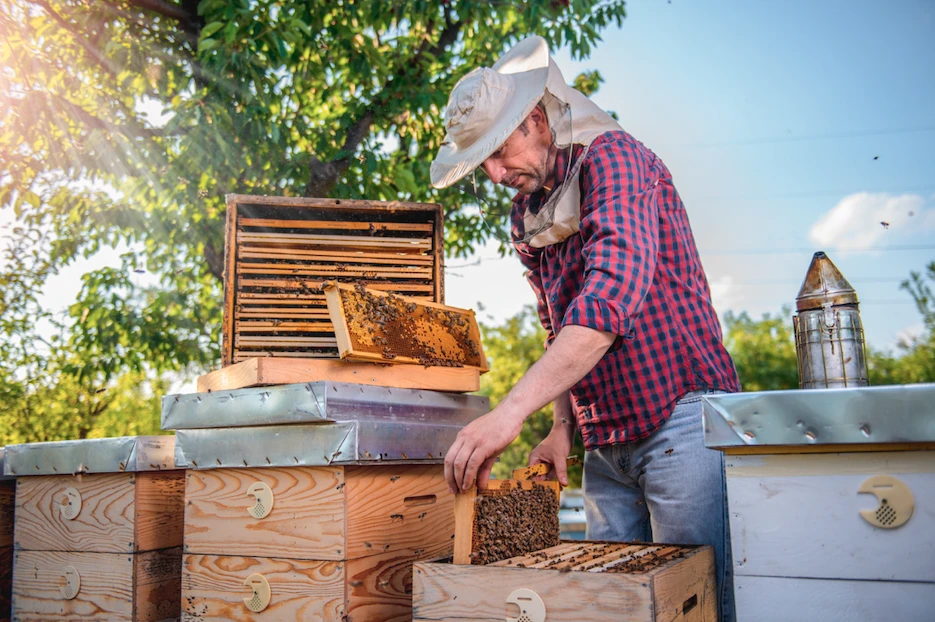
554,450
470,459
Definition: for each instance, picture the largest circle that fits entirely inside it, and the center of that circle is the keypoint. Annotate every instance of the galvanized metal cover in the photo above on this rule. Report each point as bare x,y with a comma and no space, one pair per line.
93,455
315,402
2,475
889,414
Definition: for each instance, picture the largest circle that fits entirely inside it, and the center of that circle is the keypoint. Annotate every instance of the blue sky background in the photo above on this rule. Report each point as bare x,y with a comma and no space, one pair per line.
789,127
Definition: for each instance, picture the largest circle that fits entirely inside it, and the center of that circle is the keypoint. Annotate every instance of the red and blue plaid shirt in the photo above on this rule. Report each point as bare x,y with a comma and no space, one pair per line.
633,270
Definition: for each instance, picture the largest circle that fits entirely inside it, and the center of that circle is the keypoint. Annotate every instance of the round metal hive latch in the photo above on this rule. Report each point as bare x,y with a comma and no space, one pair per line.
531,607
895,502
71,506
261,593
263,503
72,582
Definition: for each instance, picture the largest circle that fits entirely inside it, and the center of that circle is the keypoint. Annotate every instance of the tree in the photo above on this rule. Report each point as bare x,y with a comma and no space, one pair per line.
763,350
512,348
124,123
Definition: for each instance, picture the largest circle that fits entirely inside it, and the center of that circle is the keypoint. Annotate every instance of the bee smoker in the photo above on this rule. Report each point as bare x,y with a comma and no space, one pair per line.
829,336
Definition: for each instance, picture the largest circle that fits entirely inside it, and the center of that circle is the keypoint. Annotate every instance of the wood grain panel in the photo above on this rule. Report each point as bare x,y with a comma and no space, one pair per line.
106,586
686,590
160,509
157,582
379,587
307,521
397,507
213,589
6,581
450,591
256,372
104,525
7,507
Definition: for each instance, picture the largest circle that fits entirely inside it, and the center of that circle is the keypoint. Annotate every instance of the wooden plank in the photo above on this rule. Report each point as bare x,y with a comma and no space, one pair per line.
686,589
302,313
6,582
7,507
157,585
372,325
266,326
160,510
106,591
775,599
270,371
250,354
346,257
438,252
105,523
779,518
230,280
379,587
332,204
340,241
270,341
396,507
213,589
449,592
364,271
345,225
307,520
307,285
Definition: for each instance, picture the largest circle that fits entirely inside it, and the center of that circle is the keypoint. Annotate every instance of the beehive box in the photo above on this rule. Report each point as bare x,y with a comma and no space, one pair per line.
279,250
98,529
832,501
7,496
315,505
574,581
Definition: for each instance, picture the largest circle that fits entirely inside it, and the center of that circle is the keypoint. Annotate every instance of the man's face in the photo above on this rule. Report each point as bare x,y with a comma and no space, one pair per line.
522,162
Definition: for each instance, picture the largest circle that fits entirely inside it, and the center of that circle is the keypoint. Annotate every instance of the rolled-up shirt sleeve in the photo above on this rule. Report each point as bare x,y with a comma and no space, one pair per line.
620,236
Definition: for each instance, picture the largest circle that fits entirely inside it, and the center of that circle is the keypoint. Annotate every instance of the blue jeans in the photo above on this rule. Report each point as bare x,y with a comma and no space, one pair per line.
665,488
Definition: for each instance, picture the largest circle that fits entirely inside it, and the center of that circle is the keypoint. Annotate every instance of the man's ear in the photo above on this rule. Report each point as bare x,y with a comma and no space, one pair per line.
539,120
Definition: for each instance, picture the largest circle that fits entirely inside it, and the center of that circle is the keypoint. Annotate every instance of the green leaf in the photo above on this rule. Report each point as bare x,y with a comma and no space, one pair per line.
211,28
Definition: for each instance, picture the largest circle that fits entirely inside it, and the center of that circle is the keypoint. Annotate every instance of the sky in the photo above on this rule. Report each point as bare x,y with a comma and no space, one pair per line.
789,127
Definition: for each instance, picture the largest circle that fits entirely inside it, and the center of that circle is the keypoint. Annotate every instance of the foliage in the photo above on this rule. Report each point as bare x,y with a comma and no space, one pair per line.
763,350
512,348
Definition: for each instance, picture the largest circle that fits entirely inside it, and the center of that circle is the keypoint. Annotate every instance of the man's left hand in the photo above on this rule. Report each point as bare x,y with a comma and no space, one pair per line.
470,458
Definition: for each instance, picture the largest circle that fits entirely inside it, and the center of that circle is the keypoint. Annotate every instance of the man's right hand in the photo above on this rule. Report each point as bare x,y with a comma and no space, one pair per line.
554,450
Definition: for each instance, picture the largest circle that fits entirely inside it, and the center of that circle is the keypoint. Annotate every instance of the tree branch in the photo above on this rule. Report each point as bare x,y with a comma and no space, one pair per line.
101,60
90,120
166,9
324,175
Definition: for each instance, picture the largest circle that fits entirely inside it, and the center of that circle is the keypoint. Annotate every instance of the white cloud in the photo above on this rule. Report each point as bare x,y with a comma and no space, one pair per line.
865,219
725,293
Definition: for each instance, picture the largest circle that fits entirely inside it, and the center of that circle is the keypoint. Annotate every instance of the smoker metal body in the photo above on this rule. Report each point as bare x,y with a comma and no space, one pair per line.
829,336
804,507
316,424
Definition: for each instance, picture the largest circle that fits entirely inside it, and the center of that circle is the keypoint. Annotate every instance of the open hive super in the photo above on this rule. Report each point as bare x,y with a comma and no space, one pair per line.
280,250
574,581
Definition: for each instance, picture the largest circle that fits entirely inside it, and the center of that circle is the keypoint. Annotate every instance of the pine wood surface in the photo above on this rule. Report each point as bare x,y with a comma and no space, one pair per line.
7,509
462,592
106,586
465,512
255,372
6,581
379,587
105,523
160,509
307,520
213,589
397,507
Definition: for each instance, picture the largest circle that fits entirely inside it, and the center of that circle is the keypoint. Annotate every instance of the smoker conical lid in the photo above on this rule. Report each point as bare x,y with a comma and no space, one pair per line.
824,284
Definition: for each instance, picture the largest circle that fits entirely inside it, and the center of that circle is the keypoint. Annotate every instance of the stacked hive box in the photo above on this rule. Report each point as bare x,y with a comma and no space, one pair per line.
98,529
832,501
574,581
7,494
311,501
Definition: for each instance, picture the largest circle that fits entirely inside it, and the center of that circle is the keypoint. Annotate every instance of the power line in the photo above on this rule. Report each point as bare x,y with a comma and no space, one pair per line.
811,249
771,140
802,195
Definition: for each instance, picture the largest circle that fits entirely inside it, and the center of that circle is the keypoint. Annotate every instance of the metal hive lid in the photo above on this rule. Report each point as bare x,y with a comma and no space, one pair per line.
824,284
93,455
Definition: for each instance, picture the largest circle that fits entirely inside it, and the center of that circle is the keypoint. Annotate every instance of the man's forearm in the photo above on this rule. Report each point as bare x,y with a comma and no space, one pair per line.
573,354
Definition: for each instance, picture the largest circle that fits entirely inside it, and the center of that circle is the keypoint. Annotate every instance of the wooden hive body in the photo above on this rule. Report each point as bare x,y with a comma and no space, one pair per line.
576,581
338,543
124,543
279,250
7,496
